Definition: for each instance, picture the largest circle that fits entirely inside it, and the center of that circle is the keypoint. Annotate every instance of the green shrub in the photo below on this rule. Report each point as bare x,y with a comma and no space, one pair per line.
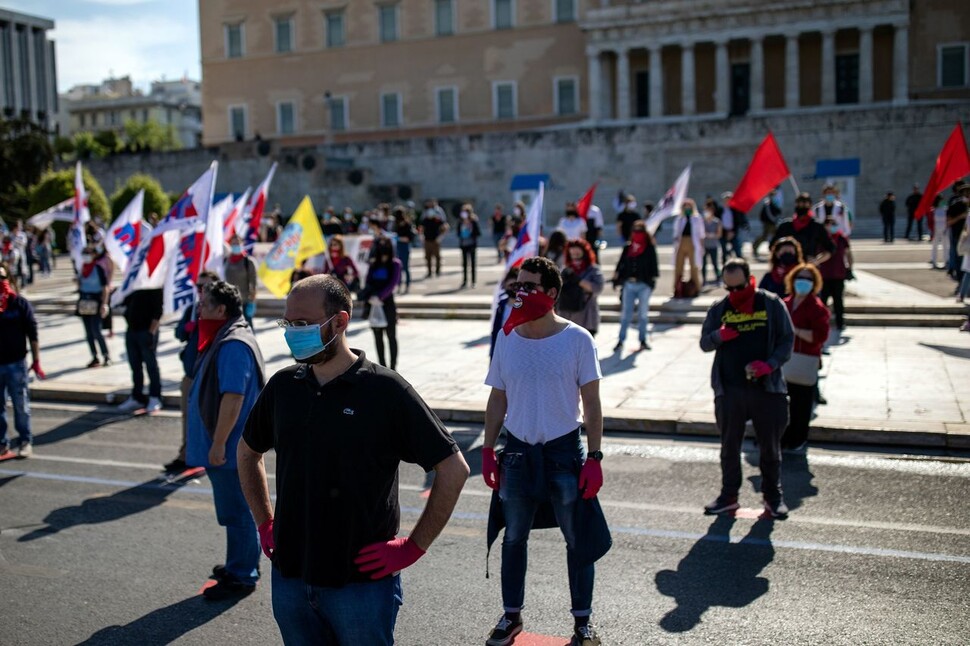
57,186
155,198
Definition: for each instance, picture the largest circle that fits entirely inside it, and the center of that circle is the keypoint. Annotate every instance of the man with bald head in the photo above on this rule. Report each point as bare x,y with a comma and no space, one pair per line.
340,426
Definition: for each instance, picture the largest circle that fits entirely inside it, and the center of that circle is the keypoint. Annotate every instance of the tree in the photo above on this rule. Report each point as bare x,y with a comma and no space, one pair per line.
57,186
63,147
86,146
25,154
109,141
155,198
150,135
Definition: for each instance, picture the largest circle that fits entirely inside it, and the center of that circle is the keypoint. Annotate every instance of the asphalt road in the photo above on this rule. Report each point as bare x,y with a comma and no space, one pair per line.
876,550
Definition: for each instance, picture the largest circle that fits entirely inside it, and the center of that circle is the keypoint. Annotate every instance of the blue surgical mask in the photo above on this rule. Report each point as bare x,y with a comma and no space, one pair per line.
305,342
834,228
236,249
803,286
829,198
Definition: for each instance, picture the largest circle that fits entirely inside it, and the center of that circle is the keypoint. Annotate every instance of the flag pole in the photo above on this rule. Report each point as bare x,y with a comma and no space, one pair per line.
791,178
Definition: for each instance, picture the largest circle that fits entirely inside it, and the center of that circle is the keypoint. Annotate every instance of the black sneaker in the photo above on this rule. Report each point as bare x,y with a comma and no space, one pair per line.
644,345
177,465
220,572
505,631
228,587
721,505
776,509
585,635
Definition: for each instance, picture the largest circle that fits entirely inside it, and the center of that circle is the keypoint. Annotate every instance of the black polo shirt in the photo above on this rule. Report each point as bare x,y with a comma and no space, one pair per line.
338,447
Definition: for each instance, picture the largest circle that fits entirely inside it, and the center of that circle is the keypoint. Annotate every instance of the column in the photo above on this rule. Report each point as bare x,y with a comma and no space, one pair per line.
828,68
595,84
757,75
17,100
792,79
722,81
31,72
865,65
901,64
623,83
688,105
656,83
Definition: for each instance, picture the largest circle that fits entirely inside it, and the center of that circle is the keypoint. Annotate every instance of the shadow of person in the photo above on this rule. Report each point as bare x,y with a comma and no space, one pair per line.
106,509
77,426
717,572
796,478
164,625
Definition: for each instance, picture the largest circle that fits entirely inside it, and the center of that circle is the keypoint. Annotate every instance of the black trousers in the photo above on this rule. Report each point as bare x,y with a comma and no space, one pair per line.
910,218
834,287
888,229
468,257
802,400
768,413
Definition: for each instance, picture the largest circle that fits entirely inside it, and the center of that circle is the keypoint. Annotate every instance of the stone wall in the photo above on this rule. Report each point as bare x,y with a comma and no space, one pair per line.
897,147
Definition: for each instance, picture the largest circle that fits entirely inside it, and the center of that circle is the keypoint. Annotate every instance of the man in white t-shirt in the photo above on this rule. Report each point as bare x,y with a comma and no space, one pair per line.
543,365
573,226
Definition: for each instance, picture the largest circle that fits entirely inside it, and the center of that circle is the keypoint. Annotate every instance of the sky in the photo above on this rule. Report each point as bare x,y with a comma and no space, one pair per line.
144,39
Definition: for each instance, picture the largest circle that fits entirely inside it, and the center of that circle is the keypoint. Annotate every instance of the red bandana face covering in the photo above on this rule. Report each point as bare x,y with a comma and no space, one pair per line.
527,307
638,244
743,300
801,221
208,328
6,293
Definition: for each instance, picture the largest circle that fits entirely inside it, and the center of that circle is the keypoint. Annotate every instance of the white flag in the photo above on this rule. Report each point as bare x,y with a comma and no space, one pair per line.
125,233
670,203
76,239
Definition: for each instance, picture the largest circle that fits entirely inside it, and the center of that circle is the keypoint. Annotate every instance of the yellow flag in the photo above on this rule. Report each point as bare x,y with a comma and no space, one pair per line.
301,239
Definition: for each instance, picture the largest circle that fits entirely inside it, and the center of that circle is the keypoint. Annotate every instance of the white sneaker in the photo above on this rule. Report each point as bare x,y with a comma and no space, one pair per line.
154,404
129,405
25,450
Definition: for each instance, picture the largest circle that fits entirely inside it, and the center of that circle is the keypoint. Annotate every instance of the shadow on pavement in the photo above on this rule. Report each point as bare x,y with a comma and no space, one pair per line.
717,572
960,353
9,479
164,625
796,478
106,509
89,421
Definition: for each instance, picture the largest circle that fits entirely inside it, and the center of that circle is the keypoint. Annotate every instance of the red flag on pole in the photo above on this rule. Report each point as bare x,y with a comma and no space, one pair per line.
952,164
582,206
767,170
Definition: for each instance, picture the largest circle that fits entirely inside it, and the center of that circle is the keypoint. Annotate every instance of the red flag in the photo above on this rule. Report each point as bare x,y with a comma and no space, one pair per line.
582,206
767,170
952,164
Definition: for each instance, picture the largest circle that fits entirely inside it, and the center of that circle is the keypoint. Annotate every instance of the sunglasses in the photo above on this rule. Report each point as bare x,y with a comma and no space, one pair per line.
524,287
736,288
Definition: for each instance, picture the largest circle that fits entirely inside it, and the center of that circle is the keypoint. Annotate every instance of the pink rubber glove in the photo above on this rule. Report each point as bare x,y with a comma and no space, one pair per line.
490,468
35,366
760,369
591,478
266,540
384,559
728,333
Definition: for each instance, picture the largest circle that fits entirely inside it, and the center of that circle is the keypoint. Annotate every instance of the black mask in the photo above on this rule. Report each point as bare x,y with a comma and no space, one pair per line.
787,258
801,210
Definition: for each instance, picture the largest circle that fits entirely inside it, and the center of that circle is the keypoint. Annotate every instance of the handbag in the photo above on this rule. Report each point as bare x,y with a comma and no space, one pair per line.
88,307
801,369
377,318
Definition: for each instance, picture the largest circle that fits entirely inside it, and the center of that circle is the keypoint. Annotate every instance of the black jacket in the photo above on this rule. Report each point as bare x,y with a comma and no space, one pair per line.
644,267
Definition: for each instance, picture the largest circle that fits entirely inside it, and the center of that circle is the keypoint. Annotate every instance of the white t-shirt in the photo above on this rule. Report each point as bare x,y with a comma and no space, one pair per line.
574,228
594,216
541,379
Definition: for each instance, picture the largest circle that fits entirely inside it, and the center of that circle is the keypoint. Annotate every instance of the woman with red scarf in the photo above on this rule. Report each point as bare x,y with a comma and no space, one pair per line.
92,306
341,266
582,283
636,273
785,254
810,320
835,271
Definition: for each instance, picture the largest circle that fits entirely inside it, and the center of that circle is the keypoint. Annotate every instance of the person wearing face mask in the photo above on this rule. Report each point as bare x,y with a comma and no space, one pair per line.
750,334
18,329
810,320
341,265
785,254
637,272
241,271
468,233
405,232
543,366
503,307
583,282
383,276
832,206
835,271
229,374
92,305
815,241
340,427
571,224
626,217
688,247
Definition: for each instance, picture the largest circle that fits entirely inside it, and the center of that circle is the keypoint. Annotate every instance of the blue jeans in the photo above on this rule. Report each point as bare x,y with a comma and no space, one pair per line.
357,613
404,255
92,331
232,512
13,382
141,346
521,495
638,293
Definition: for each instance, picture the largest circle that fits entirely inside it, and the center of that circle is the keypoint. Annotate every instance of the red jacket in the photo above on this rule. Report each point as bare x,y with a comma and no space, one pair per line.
810,315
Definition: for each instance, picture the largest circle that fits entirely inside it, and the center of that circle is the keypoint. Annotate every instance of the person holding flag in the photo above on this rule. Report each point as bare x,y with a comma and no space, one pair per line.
240,270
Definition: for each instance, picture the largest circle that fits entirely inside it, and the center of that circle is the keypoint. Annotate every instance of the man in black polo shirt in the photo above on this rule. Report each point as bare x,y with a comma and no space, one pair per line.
340,426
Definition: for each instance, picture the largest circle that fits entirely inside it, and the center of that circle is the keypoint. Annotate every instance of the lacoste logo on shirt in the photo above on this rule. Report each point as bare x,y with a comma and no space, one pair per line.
348,411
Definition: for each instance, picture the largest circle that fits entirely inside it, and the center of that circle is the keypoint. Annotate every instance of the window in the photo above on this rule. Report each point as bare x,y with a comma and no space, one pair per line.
81,119
235,41
447,104
144,116
953,65
565,10
566,95
338,113
237,122
444,17
502,14
503,99
391,110
387,16
335,29
642,100
94,119
285,118
284,34
847,78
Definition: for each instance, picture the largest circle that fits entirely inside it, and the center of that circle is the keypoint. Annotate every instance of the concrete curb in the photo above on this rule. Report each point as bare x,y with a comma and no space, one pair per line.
948,436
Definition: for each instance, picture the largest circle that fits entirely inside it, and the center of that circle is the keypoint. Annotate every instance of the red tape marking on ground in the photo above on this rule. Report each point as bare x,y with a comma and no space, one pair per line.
208,584
753,514
530,639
